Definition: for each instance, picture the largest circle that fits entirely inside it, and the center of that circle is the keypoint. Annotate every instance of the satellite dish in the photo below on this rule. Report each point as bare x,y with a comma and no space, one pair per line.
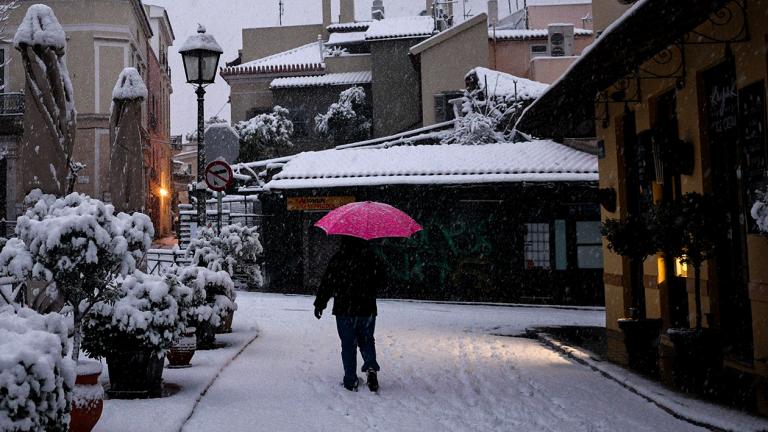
221,142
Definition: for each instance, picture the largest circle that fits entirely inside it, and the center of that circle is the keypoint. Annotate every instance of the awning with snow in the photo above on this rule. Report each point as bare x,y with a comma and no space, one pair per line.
644,30
536,161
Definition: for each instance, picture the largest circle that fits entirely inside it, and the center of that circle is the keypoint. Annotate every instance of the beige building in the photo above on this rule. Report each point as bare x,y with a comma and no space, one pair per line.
103,38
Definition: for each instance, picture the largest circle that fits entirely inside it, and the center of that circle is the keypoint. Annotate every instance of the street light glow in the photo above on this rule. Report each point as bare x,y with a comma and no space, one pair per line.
163,192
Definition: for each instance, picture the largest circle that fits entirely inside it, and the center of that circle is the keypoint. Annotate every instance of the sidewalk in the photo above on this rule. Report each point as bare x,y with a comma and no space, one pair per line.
695,411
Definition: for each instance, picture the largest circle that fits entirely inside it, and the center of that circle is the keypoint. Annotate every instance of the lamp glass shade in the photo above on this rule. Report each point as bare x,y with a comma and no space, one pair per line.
191,67
200,66
209,63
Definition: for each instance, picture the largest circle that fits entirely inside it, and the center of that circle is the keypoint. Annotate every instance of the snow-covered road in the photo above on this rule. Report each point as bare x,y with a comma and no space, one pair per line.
442,370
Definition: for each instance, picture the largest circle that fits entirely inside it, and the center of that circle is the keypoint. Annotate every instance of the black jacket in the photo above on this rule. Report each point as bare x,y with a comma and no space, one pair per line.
353,278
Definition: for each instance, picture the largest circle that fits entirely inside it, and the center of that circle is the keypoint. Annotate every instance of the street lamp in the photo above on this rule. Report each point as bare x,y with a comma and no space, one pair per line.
201,54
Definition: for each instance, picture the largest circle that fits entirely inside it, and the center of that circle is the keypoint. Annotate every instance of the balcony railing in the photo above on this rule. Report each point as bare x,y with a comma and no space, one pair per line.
11,104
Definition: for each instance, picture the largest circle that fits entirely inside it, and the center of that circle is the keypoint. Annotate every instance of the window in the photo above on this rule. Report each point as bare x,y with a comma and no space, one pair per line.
561,245
537,246
539,51
589,245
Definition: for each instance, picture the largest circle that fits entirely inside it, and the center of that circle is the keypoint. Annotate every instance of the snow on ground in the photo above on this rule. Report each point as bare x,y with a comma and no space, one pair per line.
442,369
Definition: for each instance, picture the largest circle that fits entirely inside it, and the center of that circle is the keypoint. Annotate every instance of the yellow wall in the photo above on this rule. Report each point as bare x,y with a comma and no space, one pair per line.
751,66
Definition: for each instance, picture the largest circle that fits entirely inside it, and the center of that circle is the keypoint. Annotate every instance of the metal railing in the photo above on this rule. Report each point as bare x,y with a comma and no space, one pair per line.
160,261
11,104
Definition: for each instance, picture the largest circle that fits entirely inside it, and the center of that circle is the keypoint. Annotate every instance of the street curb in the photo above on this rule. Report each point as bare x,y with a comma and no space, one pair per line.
587,359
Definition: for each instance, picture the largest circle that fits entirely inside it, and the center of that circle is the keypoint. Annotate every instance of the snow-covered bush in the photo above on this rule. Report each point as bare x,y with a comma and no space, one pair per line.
143,315
36,377
346,120
760,211
264,135
336,51
236,250
79,246
217,288
475,128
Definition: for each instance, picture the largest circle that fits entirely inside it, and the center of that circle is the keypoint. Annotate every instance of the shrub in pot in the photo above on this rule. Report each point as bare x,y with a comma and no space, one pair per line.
632,238
36,375
133,330
691,226
218,291
236,249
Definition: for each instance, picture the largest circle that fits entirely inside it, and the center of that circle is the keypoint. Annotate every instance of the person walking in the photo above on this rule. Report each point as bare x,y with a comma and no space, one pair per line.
353,278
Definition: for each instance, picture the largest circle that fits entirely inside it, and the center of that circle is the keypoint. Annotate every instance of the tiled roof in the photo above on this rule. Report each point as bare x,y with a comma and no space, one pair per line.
305,58
334,79
536,161
350,26
345,38
508,86
523,34
402,27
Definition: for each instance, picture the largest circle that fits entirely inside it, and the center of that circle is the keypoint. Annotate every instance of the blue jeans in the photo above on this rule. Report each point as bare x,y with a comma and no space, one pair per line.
354,332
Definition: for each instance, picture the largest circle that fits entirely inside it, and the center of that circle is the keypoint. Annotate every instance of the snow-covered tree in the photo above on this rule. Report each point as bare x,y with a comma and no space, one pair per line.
214,120
217,292
43,43
265,135
36,377
236,250
346,120
79,246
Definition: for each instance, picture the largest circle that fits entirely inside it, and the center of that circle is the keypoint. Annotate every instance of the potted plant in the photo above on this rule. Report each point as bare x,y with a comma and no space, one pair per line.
193,310
691,227
133,330
219,294
632,238
40,397
759,211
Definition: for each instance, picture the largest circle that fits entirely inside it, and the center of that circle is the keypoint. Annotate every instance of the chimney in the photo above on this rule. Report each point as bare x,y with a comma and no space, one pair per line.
326,13
493,12
377,11
347,11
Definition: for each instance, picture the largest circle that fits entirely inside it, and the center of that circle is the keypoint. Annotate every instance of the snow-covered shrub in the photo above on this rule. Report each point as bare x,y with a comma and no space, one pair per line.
79,246
760,211
264,135
475,128
36,377
346,120
336,51
143,315
219,292
236,250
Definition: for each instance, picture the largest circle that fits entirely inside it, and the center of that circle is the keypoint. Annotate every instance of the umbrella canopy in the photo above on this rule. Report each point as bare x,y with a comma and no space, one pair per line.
368,220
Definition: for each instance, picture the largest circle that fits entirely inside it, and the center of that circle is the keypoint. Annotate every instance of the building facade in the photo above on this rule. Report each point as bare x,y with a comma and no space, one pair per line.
682,110
103,38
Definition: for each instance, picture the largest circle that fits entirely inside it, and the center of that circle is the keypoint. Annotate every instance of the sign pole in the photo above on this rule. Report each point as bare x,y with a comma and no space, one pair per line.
219,203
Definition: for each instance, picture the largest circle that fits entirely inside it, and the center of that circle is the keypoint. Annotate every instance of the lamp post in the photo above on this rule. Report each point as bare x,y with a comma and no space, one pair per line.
201,54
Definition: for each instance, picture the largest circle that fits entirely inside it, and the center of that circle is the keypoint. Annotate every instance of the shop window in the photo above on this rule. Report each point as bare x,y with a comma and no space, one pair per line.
561,246
537,246
589,245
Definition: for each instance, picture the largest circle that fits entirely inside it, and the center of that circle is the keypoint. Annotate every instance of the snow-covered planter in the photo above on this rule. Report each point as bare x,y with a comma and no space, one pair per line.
760,211
236,250
79,246
219,292
133,331
36,376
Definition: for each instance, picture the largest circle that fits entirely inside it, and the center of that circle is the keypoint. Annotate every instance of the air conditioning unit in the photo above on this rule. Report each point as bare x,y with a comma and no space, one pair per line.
560,40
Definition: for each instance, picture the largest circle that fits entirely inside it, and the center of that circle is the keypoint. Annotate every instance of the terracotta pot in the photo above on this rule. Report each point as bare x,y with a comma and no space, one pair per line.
135,375
87,398
182,351
206,336
226,323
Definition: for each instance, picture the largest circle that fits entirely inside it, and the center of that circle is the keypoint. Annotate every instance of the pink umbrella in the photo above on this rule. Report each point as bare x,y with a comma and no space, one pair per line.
368,220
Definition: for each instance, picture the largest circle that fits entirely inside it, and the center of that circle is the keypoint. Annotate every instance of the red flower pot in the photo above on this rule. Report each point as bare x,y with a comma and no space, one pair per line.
87,398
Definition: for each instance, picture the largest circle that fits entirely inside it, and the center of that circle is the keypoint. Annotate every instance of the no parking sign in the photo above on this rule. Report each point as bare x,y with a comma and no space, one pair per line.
218,176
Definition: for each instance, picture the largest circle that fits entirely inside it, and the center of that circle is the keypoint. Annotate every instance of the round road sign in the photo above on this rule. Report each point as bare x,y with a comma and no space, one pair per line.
218,175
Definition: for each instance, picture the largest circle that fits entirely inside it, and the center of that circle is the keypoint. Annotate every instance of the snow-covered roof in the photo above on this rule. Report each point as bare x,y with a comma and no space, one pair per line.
508,86
349,26
401,27
129,86
535,161
40,27
201,41
334,79
557,2
526,34
304,58
346,38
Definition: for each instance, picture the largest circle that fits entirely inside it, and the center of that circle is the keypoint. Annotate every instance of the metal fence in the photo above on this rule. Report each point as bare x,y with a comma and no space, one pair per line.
160,260
11,103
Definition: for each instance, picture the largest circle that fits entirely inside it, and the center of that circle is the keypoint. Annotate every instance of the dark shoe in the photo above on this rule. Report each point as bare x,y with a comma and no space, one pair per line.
352,387
373,381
